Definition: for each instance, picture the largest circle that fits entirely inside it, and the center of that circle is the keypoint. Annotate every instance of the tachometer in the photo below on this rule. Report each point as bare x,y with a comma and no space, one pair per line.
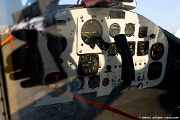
157,51
91,31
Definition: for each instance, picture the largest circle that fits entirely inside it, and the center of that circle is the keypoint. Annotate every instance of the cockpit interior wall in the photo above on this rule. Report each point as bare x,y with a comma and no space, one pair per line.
82,61
36,9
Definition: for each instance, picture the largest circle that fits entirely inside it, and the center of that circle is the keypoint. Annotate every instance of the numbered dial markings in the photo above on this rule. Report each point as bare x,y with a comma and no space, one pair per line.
157,51
91,31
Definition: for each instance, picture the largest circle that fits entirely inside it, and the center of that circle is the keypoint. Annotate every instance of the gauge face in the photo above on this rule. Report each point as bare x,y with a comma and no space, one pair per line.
77,83
114,29
94,81
91,31
129,29
112,51
132,47
88,64
154,70
142,48
157,51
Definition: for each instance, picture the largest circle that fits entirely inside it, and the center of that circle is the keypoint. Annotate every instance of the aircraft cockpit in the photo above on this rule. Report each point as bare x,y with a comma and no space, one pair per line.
89,60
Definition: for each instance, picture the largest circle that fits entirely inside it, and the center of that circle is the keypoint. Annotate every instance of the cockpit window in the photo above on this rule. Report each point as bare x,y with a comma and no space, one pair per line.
89,59
61,2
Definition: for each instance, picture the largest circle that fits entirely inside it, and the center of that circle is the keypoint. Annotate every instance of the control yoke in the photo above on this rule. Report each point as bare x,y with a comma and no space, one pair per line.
128,72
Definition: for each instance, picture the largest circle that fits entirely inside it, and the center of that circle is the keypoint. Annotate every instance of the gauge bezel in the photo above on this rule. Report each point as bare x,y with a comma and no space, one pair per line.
112,51
112,31
129,31
91,31
82,82
132,45
94,81
82,70
142,48
159,52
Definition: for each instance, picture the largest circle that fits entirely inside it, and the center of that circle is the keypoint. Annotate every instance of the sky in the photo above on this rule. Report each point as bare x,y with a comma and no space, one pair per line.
164,13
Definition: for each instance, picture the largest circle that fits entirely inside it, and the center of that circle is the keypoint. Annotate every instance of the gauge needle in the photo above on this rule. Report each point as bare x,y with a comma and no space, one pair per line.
153,53
86,32
94,32
85,65
86,35
160,49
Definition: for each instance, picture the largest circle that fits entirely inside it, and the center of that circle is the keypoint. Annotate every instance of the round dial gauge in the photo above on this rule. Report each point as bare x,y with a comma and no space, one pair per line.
94,81
132,47
77,83
157,51
129,29
91,31
114,29
90,64
112,51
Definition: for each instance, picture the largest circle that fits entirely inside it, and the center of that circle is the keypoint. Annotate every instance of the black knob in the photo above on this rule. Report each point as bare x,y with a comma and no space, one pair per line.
108,67
153,35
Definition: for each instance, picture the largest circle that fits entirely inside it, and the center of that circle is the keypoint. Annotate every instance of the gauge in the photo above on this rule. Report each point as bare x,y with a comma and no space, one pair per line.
143,47
112,51
56,44
154,70
77,83
129,29
157,51
94,81
91,31
132,47
88,64
114,29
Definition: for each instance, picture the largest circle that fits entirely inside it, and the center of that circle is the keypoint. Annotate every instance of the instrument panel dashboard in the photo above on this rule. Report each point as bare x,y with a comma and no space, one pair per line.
91,68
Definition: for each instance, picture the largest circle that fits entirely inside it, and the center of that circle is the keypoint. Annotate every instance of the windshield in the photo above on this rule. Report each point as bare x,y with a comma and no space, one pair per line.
164,15
89,59
61,2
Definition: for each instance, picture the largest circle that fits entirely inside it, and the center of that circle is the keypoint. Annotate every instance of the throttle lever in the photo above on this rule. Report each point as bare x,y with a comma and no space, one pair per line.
128,72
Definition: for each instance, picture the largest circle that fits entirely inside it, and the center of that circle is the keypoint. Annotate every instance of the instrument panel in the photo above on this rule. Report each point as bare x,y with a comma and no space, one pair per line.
91,59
